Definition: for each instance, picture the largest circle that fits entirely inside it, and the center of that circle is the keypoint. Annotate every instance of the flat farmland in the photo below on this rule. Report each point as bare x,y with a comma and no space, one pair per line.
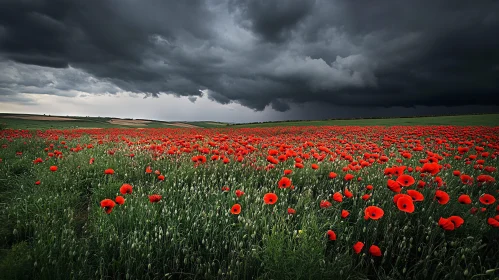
283,202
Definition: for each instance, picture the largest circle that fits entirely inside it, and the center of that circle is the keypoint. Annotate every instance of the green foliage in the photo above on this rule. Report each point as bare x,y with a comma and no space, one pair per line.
463,120
15,264
60,226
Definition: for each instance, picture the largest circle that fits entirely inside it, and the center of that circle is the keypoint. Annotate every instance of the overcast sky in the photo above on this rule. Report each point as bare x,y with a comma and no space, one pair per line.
244,61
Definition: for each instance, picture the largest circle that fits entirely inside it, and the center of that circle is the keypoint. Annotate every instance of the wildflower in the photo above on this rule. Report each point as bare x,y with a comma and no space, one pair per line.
416,196
284,183
487,199
348,193
120,200
331,235
405,204
270,198
337,197
126,189
109,171
464,199
358,247
239,193
155,198
344,214
405,180
373,212
108,205
325,204
236,209
442,197
375,251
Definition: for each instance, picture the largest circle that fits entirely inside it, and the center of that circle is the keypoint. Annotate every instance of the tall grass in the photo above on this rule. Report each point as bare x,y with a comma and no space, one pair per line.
57,230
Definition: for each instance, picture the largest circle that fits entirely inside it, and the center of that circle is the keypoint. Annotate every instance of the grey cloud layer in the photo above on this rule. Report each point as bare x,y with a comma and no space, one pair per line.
257,53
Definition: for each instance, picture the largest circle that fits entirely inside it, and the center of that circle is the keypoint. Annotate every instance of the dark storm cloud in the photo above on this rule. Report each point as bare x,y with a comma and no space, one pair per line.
273,20
256,53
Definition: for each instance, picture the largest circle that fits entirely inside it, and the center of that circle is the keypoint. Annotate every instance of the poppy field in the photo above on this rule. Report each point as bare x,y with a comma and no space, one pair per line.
329,202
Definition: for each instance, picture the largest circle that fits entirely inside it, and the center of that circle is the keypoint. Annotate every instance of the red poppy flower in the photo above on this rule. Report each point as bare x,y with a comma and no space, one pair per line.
456,220
421,184
332,175
331,235
464,199
397,196
394,186
466,179
109,171
345,214
405,180
284,183
358,247
487,199
349,177
120,200
493,222
375,251
236,209
456,172
225,189
37,182
348,193
485,179
325,204
155,198
369,187
373,212
161,177
442,197
148,170
366,197
126,189
315,166
288,171
239,193
416,196
108,205
291,211
53,168
432,168
270,198
337,197
446,224
91,161
405,204
299,165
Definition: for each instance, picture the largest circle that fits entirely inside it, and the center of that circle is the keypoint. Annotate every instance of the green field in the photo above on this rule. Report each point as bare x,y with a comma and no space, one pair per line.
7,121
103,122
462,120
117,204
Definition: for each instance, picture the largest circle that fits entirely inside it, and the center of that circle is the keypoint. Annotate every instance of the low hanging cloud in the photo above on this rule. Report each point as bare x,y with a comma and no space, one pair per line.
256,53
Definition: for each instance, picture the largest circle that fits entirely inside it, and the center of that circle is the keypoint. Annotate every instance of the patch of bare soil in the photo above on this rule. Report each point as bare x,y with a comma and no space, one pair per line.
128,122
186,125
